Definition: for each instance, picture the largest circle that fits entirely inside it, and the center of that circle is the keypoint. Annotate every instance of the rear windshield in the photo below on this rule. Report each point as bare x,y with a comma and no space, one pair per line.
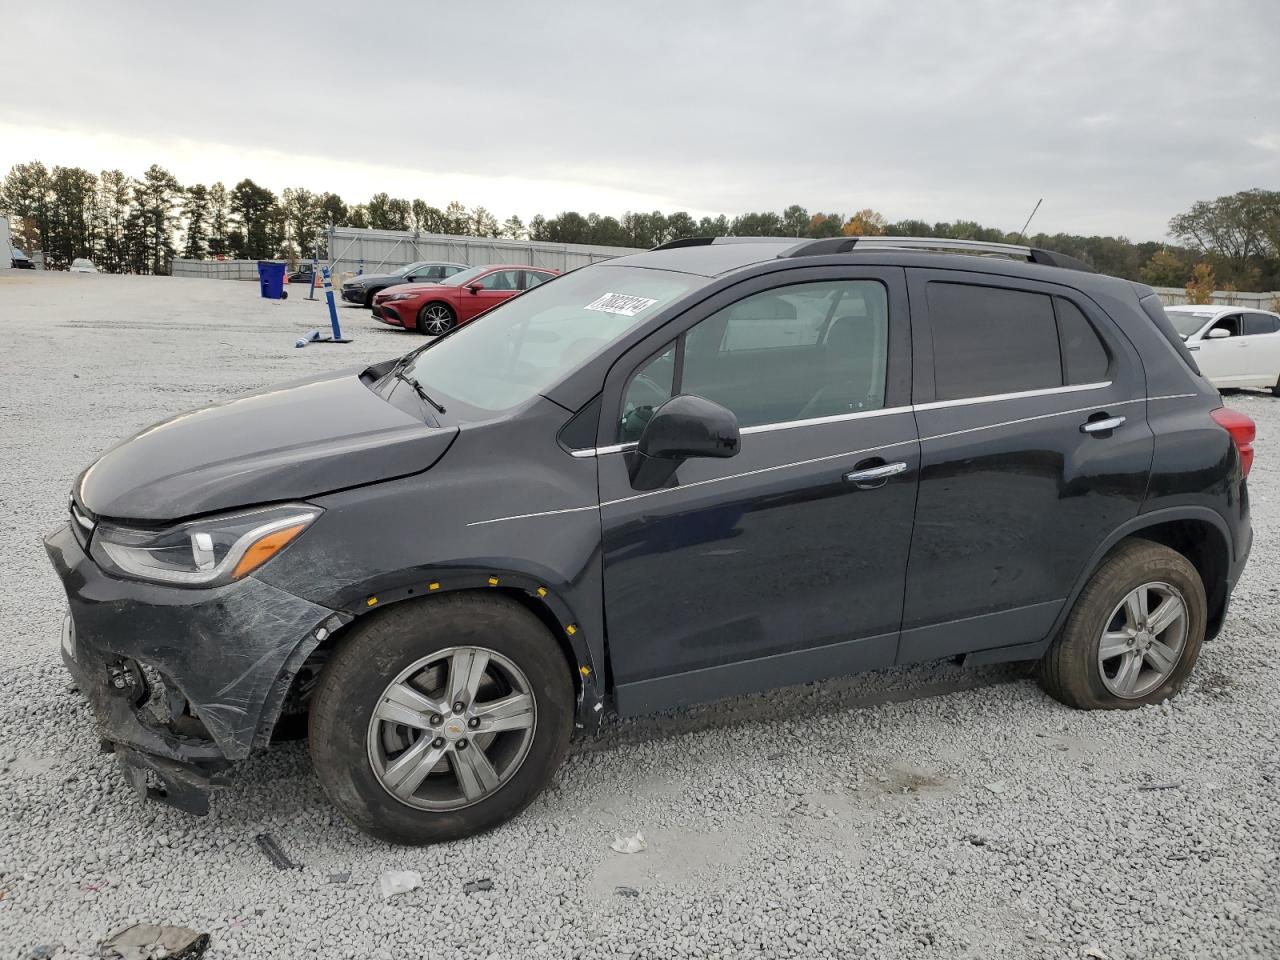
1155,310
1187,322
531,342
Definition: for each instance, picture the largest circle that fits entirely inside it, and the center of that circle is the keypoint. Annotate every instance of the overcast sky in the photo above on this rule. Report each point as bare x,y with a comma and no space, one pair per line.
1120,114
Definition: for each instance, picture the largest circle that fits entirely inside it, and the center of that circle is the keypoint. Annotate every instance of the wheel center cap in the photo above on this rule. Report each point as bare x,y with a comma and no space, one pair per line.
455,728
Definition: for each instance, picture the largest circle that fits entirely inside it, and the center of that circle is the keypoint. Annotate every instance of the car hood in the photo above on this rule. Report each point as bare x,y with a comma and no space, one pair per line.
286,442
365,279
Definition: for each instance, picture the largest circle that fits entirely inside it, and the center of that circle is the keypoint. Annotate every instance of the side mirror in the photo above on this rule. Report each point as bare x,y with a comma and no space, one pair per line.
475,287
1218,333
685,426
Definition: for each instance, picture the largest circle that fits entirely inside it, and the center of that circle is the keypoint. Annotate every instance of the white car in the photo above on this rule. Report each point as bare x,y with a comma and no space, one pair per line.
1233,347
81,265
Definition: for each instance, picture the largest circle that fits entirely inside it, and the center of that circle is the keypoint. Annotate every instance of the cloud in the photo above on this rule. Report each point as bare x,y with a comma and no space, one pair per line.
1119,115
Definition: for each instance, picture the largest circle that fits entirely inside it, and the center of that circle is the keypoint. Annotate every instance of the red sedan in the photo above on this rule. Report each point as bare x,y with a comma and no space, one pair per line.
436,308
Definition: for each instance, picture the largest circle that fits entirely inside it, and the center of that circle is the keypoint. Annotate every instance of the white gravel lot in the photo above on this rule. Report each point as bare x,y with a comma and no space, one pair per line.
813,822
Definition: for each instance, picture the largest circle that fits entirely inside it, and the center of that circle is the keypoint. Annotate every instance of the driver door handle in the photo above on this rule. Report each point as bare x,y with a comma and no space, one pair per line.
1101,426
871,477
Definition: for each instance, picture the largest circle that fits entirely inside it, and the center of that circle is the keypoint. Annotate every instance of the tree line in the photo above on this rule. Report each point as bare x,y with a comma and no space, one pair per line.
139,224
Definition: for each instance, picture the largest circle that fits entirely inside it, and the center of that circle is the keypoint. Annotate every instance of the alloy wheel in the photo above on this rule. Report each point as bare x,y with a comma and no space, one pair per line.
1142,641
452,728
435,320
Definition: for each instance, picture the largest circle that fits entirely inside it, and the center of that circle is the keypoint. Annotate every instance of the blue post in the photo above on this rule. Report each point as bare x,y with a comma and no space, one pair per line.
315,270
333,308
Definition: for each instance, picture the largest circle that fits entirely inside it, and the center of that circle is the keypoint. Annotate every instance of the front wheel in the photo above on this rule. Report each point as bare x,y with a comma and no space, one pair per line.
440,719
435,319
1134,633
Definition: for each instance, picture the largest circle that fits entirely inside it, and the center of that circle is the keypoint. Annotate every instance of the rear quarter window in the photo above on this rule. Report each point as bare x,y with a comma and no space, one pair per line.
1154,309
1084,358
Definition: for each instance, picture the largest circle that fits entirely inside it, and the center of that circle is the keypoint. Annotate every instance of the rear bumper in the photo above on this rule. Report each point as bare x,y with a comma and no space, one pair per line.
181,681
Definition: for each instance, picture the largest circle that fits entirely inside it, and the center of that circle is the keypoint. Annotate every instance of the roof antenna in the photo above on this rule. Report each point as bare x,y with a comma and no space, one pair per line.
1023,232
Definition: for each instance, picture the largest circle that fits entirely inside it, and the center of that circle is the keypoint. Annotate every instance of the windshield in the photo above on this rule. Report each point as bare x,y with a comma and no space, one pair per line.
466,276
532,341
1187,322
409,268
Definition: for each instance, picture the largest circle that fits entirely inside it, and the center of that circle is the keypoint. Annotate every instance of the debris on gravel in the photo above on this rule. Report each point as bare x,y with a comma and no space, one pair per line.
847,818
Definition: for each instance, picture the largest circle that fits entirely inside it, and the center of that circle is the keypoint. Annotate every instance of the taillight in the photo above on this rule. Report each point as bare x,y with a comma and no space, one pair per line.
1242,430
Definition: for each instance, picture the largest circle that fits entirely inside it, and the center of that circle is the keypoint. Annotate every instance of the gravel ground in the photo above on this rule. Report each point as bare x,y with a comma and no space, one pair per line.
920,813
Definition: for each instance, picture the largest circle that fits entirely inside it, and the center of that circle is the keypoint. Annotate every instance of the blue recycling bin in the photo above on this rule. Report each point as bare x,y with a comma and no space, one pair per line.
271,277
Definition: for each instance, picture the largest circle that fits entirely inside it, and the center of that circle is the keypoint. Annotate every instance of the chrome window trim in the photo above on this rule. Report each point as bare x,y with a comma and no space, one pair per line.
1020,395
865,414
815,421
835,456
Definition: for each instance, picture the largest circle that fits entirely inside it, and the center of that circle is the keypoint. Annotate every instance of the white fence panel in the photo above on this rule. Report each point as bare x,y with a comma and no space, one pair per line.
215,269
355,250
1172,296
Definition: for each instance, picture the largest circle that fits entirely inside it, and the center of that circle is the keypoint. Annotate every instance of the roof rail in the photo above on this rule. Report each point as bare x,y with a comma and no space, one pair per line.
1015,251
708,241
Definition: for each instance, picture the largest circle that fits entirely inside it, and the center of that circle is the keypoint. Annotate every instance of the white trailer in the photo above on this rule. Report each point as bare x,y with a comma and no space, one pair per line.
6,243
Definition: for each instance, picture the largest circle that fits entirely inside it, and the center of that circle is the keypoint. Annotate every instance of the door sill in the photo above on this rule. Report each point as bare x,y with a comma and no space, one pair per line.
754,676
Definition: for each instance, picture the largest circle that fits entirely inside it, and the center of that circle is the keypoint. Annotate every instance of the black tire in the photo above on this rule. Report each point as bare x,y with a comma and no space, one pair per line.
1070,670
284,294
1275,389
372,656
445,321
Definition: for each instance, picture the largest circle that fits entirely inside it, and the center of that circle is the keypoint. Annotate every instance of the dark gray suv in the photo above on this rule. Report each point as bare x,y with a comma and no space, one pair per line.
708,469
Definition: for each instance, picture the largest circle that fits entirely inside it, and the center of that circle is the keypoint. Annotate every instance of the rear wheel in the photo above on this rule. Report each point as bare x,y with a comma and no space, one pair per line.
1275,388
435,319
441,719
1134,633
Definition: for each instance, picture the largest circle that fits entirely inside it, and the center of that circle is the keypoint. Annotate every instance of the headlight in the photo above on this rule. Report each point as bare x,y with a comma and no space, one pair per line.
401,296
208,552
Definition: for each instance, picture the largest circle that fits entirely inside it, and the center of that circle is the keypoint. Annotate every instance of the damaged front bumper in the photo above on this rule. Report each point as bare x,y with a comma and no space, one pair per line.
182,681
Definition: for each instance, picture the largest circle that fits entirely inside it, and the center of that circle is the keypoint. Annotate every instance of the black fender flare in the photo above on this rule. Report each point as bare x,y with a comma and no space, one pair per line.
541,594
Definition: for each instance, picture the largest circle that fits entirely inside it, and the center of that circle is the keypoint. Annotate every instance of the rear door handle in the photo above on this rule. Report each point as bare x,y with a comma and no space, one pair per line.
1101,426
869,478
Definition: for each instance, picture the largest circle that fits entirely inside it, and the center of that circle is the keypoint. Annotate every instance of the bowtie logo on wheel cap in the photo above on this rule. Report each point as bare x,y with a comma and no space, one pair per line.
455,727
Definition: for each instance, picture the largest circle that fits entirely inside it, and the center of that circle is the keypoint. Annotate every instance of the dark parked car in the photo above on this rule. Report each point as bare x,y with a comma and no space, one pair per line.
362,288
703,470
303,274
21,261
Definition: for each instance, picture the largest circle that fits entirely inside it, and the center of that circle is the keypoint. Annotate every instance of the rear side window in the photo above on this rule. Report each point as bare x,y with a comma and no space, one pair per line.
1154,309
1260,323
1084,358
988,340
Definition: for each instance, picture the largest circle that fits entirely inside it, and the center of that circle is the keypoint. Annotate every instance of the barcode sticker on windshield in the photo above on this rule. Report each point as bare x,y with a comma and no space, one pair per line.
620,304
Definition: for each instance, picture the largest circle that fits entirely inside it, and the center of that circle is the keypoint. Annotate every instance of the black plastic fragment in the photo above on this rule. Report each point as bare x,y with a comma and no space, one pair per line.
275,854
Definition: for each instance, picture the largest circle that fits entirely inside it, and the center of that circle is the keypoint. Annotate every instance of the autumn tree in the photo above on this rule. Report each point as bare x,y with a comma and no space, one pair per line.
1165,269
1202,284
864,223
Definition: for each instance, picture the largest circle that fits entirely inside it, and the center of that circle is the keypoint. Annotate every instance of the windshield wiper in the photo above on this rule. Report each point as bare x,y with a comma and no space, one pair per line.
417,388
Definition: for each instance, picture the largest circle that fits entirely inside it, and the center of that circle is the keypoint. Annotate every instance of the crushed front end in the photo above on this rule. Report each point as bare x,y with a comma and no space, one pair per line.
182,680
